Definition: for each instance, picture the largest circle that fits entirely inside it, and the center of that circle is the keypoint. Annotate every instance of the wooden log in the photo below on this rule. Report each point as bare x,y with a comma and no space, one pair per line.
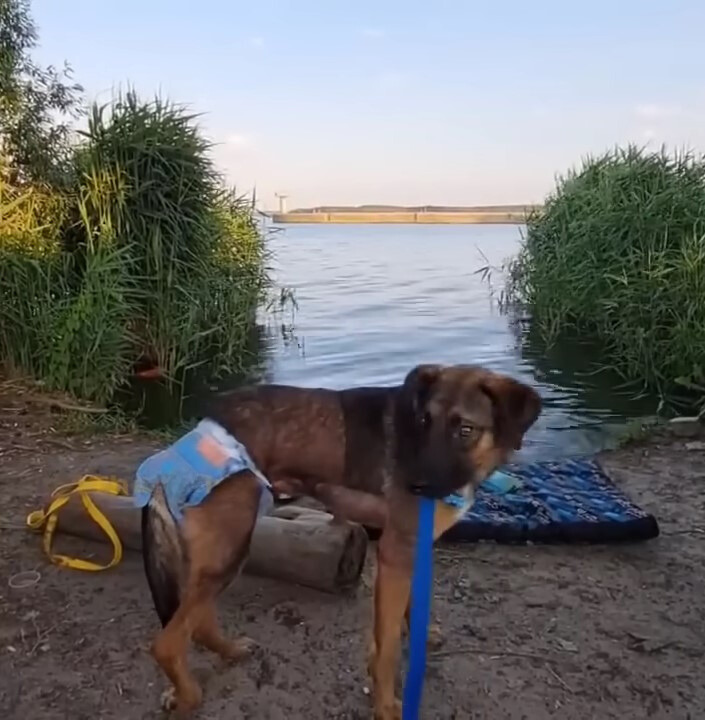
296,544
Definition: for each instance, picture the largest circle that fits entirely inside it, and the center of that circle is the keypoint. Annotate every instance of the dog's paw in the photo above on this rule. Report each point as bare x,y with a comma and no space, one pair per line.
435,636
168,699
182,706
388,712
239,649
371,658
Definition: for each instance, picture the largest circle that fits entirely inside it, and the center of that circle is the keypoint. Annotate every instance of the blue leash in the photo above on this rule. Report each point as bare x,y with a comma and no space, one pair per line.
421,591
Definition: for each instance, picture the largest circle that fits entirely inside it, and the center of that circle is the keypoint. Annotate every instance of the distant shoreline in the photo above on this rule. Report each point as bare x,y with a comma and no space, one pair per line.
429,215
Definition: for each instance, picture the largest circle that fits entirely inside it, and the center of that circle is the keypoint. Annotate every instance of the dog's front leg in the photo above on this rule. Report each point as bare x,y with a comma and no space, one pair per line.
435,633
348,505
392,591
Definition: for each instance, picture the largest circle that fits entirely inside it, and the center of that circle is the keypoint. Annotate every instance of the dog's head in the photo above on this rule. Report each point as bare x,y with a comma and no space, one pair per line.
457,424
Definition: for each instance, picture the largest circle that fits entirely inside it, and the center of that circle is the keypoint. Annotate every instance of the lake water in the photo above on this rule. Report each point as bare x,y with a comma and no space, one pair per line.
374,300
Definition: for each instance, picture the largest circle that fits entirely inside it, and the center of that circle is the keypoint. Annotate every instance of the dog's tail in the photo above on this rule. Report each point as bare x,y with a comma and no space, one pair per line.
163,555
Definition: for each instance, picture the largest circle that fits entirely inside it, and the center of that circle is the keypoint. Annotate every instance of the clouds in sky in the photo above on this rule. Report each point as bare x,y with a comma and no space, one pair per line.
239,141
657,111
671,123
399,102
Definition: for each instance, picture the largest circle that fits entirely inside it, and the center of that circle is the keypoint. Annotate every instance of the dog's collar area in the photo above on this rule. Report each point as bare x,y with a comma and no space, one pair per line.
455,500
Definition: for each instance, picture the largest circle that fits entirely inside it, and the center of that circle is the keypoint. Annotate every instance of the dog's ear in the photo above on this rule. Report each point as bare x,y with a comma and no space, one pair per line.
516,408
417,387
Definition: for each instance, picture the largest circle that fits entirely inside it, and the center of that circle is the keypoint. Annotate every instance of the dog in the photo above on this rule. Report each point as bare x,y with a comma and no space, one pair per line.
368,454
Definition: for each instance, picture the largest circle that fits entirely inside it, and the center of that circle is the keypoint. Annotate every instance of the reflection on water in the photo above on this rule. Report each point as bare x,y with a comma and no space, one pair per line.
375,300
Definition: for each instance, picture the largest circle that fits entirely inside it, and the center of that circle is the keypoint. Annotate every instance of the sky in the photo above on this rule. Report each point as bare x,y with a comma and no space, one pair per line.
398,101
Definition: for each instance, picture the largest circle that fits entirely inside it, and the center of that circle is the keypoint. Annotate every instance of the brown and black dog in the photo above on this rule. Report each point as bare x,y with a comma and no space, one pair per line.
367,453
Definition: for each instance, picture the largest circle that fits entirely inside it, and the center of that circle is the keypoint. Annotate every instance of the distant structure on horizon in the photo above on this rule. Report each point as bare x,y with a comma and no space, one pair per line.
425,214
415,208
282,201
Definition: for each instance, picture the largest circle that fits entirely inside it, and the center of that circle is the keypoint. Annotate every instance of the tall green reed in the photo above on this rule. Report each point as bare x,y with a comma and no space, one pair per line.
618,253
195,251
152,260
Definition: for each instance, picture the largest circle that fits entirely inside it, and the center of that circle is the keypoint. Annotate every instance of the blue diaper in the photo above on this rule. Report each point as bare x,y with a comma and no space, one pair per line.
190,468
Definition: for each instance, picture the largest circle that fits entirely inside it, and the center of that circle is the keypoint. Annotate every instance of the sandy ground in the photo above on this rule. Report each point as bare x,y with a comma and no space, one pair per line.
530,632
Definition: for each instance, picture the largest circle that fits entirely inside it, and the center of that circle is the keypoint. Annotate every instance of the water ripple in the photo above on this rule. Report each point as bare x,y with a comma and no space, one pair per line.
375,300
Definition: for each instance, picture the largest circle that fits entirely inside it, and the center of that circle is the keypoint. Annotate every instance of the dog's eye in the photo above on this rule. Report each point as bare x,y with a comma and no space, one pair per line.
468,432
426,420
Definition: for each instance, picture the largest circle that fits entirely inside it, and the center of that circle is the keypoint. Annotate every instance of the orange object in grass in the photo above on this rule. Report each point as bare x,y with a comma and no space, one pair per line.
153,373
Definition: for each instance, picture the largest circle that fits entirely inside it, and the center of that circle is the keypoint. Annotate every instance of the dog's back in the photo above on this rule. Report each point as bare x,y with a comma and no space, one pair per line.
316,435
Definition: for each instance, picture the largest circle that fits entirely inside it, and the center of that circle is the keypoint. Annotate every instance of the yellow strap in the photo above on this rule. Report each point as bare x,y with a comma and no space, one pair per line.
49,519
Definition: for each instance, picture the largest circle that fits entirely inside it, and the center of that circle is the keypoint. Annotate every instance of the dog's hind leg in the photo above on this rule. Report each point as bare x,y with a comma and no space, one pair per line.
170,650
165,562
227,519
195,619
216,538
208,635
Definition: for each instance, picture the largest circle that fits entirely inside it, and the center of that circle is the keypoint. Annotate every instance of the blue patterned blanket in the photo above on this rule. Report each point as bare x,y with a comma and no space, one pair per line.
554,502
